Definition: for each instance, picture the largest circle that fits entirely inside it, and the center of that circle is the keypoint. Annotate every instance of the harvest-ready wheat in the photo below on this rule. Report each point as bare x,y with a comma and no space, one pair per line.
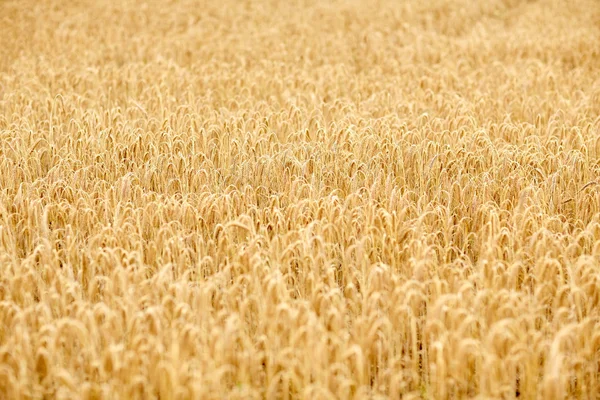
301,199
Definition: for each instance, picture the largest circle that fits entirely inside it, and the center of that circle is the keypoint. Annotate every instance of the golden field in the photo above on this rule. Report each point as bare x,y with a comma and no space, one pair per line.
342,199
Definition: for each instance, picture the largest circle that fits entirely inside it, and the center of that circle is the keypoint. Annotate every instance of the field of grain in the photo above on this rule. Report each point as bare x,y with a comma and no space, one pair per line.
301,199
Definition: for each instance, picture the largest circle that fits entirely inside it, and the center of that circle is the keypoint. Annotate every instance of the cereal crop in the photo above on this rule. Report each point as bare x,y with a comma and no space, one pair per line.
300,199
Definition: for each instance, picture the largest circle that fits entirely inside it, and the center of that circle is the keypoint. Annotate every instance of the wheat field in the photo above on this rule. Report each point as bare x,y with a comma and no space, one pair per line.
302,199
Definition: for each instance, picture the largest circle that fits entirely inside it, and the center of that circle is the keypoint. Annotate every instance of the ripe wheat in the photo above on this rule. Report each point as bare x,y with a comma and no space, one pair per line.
300,199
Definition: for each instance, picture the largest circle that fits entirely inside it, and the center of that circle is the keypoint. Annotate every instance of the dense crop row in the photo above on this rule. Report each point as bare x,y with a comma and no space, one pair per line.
302,199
